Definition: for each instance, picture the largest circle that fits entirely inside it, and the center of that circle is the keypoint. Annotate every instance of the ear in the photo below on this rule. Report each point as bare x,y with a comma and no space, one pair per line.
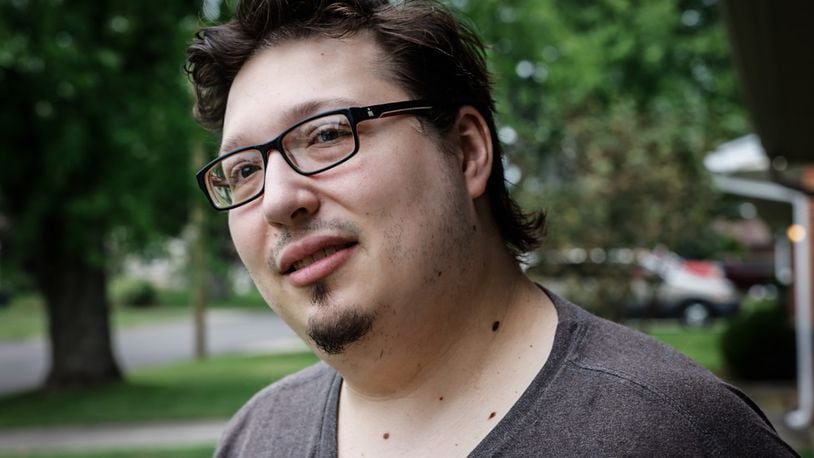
474,142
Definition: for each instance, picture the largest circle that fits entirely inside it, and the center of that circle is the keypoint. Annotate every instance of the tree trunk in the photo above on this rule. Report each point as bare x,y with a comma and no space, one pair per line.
79,323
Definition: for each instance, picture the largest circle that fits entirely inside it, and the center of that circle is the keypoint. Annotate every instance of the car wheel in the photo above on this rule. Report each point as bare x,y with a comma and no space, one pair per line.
696,314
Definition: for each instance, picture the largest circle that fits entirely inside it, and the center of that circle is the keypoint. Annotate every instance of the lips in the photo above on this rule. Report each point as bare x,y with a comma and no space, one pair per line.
321,254
313,258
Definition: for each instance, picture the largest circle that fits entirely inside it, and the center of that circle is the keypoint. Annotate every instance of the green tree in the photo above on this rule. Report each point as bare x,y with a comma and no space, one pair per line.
96,154
613,103
608,106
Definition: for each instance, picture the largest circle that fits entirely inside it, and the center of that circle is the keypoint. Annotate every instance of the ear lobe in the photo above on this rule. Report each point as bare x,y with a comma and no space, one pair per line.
474,141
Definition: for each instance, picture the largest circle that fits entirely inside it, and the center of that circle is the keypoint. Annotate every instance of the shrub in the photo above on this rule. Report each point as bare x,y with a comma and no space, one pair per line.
760,345
133,292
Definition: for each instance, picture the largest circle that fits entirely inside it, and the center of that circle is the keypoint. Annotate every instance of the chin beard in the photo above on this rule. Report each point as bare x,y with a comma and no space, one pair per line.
333,333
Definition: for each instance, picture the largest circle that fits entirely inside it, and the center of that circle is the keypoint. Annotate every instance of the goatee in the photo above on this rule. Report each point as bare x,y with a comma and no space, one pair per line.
333,333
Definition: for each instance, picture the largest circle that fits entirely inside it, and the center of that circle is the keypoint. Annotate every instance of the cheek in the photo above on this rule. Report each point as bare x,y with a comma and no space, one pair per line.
248,237
400,194
421,213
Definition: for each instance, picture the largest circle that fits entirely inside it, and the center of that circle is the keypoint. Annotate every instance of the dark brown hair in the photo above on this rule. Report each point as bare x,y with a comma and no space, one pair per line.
431,54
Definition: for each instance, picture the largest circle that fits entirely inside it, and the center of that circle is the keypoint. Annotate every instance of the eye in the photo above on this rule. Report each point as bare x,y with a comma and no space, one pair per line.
319,142
246,170
243,171
240,169
329,133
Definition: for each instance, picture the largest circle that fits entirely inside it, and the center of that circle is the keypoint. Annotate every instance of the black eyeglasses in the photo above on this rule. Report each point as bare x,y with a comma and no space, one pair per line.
310,146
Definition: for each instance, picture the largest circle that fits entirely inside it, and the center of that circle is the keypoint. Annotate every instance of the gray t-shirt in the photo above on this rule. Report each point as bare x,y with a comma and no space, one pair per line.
605,390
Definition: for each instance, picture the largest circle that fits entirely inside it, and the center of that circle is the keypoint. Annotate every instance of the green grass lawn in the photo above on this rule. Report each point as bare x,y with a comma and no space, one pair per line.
213,388
702,345
25,317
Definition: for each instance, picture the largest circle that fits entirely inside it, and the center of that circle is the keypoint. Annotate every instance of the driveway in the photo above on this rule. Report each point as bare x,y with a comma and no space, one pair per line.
24,364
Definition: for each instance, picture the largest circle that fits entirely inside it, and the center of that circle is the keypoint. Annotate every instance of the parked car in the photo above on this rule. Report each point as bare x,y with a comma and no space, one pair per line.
667,286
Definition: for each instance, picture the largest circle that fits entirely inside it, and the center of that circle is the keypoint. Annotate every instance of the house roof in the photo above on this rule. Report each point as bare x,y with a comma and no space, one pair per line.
772,46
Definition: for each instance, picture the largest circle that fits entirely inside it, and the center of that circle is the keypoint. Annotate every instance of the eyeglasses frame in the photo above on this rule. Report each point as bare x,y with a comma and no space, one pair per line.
354,114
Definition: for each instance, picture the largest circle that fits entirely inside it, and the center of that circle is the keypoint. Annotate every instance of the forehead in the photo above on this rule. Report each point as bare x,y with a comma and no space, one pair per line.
286,82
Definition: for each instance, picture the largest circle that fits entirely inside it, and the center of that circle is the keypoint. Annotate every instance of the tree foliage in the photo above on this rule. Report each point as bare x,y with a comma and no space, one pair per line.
608,107
96,144
95,119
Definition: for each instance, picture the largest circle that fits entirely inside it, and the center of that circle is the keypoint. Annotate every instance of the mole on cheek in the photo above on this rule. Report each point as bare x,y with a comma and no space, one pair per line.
386,436
495,325
492,415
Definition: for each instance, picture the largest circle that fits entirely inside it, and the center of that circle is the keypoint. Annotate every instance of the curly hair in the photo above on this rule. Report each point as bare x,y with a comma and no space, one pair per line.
431,55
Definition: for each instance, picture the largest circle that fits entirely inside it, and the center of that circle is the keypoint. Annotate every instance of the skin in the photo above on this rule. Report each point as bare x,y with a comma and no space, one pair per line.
420,259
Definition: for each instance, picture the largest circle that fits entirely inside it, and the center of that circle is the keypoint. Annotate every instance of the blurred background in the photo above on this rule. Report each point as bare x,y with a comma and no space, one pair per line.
669,142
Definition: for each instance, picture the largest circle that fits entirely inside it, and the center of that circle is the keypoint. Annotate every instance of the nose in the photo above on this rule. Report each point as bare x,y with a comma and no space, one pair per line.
288,199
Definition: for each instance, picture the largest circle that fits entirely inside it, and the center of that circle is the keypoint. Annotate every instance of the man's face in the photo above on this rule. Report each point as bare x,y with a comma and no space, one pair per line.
374,246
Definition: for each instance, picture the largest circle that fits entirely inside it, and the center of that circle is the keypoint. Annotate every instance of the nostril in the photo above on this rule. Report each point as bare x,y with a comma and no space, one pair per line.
299,213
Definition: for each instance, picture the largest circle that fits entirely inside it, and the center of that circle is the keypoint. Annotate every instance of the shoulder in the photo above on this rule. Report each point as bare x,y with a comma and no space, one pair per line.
286,415
649,388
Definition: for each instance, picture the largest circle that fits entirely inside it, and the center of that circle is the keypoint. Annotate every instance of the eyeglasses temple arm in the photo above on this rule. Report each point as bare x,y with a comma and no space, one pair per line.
392,109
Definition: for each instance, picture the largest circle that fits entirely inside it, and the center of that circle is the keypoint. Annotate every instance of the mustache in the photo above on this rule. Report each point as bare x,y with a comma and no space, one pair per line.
288,236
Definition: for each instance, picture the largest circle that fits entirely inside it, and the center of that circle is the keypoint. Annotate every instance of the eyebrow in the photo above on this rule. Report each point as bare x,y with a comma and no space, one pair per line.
290,117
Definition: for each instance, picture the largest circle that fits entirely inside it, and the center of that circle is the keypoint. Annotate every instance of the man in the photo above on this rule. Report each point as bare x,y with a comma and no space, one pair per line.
363,179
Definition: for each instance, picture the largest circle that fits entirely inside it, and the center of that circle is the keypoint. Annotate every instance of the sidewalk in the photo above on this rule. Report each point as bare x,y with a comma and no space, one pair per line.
111,437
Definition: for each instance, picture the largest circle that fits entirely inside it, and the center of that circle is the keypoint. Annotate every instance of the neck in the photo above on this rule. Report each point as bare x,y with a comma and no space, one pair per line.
445,343
447,386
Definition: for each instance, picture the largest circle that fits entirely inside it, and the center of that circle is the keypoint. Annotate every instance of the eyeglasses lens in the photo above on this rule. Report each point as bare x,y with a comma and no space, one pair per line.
311,146
319,143
236,179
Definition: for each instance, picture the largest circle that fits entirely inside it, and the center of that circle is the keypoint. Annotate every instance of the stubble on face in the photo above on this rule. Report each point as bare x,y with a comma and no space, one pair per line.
344,326
334,326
